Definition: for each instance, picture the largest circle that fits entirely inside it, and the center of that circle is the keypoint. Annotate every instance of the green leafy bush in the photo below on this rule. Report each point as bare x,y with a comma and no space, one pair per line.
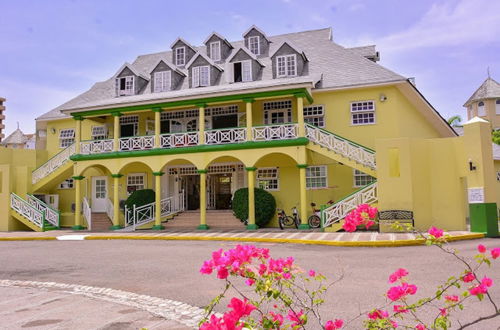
140,198
264,202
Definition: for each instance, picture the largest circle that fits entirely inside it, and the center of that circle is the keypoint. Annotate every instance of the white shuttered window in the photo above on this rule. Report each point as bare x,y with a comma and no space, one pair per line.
246,70
162,81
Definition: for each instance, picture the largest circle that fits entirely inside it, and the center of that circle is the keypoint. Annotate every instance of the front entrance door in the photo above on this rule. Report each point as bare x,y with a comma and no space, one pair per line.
99,193
191,186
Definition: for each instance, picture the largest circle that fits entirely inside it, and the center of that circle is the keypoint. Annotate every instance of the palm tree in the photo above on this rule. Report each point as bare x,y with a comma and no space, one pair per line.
454,121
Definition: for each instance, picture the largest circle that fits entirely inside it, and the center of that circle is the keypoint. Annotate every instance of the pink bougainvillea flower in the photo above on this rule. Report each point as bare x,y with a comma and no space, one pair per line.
334,325
398,292
378,314
222,272
398,274
394,323
495,253
249,281
479,289
277,318
312,273
420,326
207,267
481,248
453,298
436,232
295,318
241,308
468,277
400,309
443,311
486,281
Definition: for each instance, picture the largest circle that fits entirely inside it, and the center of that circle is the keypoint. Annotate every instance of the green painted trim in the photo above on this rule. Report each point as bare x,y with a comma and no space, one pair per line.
78,227
158,227
249,100
201,105
251,169
186,150
302,165
116,114
205,100
158,173
483,219
116,175
252,227
203,227
79,177
202,171
115,227
304,226
80,118
157,110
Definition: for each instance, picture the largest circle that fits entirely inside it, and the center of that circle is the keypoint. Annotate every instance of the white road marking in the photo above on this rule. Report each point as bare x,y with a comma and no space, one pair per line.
71,237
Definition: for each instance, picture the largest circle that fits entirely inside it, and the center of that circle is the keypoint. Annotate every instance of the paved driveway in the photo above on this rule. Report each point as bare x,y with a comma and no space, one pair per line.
169,269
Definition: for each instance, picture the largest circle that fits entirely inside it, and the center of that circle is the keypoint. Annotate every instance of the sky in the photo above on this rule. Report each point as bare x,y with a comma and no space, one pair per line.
51,51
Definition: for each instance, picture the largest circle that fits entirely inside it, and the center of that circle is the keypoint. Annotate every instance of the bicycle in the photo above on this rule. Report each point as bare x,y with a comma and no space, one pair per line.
288,221
314,220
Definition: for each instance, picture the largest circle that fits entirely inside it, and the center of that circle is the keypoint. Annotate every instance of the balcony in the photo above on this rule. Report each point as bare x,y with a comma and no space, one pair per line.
172,141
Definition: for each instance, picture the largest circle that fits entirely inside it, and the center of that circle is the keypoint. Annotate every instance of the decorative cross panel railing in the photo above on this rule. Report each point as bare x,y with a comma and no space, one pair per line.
137,143
138,216
275,132
341,146
226,135
87,213
26,210
96,146
52,164
339,210
51,215
176,140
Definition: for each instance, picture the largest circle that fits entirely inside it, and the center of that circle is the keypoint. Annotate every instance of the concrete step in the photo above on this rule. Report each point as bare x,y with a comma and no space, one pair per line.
100,222
216,219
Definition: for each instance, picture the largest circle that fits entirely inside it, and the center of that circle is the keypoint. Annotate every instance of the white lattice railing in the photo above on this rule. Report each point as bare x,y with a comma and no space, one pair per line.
52,164
87,213
137,143
275,132
339,210
341,146
138,216
176,140
109,209
26,210
51,215
96,146
226,135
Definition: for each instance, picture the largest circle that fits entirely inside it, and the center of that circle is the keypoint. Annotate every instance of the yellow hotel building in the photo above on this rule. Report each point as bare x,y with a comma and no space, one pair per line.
295,114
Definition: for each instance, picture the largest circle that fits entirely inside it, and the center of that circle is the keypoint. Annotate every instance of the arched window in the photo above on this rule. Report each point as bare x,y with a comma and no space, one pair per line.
481,111
497,106
191,125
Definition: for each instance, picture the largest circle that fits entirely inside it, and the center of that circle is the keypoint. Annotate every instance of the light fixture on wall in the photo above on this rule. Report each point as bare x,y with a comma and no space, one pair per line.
382,97
472,167
53,130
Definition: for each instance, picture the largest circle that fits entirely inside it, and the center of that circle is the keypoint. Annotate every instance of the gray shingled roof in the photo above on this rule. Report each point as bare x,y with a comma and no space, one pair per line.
16,137
330,63
489,89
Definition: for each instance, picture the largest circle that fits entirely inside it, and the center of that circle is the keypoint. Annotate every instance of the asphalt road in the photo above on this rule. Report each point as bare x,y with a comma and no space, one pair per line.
170,269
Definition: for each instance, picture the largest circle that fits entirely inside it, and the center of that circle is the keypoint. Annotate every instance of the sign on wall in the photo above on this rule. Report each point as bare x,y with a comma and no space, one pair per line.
476,195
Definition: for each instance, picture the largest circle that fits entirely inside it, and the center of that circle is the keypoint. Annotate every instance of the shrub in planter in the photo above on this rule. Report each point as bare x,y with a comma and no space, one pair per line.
140,198
264,202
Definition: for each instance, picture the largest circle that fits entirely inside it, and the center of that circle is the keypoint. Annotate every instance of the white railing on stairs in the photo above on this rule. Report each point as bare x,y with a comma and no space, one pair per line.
275,132
51,215
96,146
339,210
25,209
52,164
226,135
87,213
109,209
341,146
138,216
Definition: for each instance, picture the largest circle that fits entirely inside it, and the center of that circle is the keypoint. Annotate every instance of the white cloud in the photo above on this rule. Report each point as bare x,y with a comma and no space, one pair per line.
475,22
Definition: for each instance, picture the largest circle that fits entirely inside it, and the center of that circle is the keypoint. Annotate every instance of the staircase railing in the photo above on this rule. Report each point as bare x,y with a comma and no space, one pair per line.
52,164
87,213
339,210
25,209
109,209
51,215
341,146
138,216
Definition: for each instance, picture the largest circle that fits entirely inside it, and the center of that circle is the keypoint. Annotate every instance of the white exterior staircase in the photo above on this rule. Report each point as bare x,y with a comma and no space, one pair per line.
53,171
34,213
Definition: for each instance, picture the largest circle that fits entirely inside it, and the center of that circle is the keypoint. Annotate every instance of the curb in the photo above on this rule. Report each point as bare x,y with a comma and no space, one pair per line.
395,243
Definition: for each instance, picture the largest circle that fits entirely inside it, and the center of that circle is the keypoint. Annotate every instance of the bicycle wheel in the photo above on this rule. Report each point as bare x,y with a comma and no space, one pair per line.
314,221
296,222
288,221
280,221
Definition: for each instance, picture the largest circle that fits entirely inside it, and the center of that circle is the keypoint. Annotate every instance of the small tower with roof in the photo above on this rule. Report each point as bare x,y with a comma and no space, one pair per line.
485,103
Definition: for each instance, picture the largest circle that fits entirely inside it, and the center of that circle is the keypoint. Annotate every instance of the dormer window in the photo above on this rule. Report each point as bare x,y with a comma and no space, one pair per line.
480,109
180,56
242,71
125,86
201,76
254,45
286,66
162,81
215,51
